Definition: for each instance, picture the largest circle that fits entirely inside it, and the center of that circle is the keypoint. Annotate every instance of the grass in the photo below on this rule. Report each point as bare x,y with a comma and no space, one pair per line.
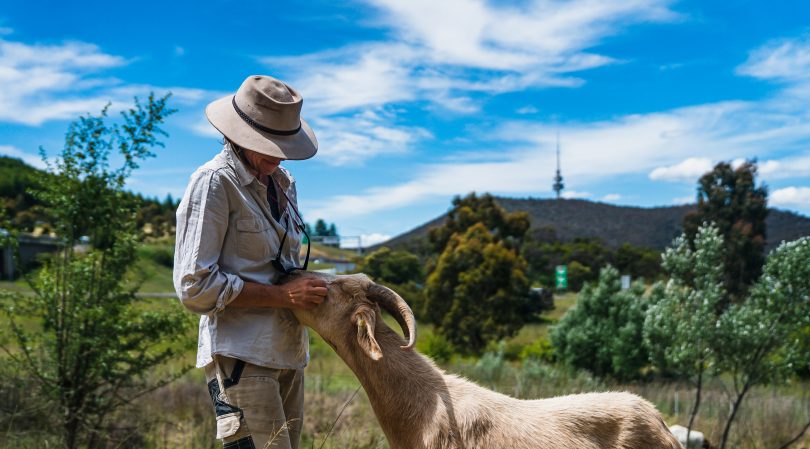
330,252
180,414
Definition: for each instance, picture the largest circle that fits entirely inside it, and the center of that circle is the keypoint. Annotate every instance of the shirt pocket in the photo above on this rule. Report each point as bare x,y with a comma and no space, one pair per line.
253,239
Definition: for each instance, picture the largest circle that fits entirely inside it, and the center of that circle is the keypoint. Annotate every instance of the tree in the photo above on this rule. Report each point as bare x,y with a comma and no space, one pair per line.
578,274
93,349
601,333
394,267
332,231
680,328
637,261
762,339
584,256
472,209
478,291
730,199
399,270
320,228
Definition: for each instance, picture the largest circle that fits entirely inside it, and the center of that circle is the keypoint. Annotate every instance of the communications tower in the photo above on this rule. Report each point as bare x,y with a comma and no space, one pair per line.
558,180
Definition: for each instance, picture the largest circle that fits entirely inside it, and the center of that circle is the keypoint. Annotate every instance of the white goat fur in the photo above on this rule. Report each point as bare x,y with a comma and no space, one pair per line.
419,406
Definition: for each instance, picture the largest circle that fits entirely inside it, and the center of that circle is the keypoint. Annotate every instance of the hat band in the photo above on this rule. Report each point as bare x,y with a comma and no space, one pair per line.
253,124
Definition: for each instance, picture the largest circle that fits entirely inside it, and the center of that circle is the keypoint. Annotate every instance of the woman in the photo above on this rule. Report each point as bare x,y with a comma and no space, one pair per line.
238,232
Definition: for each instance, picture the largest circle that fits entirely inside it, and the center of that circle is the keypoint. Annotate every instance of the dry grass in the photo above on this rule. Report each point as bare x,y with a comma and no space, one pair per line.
181,416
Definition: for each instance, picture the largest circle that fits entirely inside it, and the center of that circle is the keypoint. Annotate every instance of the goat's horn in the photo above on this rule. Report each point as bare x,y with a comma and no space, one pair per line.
396,306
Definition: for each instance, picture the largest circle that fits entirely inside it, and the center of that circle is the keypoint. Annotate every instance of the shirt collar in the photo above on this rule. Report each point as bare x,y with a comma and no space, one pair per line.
242,172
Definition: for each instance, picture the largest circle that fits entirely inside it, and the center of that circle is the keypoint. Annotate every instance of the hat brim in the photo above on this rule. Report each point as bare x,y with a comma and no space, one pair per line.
299,146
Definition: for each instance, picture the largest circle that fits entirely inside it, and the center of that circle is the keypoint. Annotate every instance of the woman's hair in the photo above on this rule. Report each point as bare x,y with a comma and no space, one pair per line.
236,148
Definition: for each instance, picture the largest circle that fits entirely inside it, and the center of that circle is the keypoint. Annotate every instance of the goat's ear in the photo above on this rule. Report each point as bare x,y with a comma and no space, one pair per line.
365,320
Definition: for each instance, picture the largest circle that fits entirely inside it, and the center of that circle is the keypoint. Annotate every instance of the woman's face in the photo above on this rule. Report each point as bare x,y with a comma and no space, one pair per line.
262,163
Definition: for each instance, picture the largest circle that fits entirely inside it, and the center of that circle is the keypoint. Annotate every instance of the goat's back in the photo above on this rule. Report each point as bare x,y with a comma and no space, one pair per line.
581,421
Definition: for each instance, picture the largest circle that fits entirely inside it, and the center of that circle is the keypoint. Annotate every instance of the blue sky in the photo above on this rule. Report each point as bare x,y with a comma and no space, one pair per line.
416,101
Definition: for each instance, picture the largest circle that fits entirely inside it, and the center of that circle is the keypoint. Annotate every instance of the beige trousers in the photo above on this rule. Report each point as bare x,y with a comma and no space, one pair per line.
271,403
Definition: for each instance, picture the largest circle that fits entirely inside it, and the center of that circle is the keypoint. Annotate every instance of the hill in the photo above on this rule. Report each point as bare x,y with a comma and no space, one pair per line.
652,227
26,212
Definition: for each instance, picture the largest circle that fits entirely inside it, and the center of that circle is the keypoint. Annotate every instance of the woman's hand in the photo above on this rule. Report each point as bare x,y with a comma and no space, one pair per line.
299,293
305,293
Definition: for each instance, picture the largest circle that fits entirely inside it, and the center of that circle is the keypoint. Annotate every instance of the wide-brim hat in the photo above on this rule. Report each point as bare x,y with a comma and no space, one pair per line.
264,116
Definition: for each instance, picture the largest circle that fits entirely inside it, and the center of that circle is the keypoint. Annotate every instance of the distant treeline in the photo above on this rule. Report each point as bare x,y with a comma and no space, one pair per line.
21,206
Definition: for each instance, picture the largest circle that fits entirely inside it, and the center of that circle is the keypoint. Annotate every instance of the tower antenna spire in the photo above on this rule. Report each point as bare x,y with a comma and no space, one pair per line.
558,180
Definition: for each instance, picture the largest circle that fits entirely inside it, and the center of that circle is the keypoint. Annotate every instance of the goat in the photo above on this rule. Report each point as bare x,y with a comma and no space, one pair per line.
419,406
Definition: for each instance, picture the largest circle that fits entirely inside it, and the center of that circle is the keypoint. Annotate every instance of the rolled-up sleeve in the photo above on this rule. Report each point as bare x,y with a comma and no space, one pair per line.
202,221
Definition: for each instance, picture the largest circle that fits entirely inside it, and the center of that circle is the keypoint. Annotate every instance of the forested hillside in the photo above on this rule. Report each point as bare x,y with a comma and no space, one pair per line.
21,207
653,227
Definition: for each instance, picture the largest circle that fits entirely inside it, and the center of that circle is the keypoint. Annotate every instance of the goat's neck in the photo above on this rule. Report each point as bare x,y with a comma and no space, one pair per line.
406,390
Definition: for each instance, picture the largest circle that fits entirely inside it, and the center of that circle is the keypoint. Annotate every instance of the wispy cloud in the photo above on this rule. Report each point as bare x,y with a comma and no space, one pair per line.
60,81
46,82
451,66
673,144
344,140
486,49
781,59
610,197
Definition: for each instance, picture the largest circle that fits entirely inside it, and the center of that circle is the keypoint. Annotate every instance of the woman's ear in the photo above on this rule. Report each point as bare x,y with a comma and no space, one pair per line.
366,319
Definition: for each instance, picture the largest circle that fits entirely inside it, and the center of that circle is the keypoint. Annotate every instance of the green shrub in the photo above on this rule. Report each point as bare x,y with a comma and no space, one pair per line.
160,254
540,349
437,347
603,332
490,367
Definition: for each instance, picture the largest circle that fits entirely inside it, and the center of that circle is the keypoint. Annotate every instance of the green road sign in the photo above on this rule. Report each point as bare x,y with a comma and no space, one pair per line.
562,277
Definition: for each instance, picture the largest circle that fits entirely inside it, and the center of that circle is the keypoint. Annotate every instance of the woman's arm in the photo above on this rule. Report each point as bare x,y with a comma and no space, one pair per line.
300,293
202,221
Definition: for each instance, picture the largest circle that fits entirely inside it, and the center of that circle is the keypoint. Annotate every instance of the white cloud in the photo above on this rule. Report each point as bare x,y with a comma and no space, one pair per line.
791,196
486,49
571,194
612,197
355,139
33,160
597,151
782,59
690,169
511,176
527,110
790,167
687,170
203,127
44,82
485,35
61,81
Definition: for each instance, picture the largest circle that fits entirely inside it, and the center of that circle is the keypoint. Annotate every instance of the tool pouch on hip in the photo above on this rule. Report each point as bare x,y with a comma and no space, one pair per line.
230,419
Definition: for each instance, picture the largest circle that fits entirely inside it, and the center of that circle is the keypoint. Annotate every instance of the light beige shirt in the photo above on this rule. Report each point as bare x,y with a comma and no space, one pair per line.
226,235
